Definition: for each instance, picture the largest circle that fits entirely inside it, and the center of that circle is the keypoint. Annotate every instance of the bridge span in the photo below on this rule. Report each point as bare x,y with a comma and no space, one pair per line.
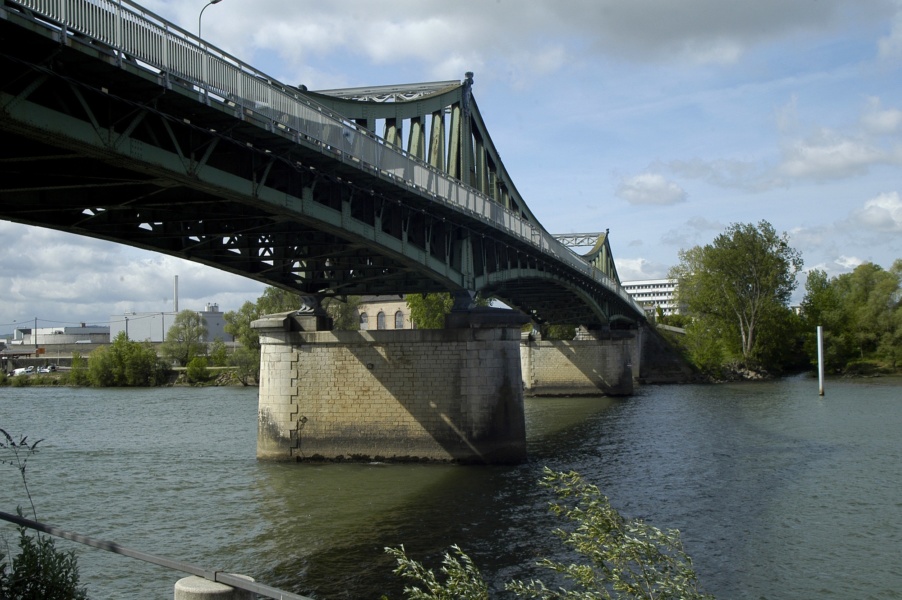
119,125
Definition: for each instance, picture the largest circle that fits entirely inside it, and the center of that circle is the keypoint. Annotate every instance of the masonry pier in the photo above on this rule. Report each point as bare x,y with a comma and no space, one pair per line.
438,395
603,362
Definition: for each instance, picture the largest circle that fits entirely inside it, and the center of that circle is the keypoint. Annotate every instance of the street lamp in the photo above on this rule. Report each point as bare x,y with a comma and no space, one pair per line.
200,16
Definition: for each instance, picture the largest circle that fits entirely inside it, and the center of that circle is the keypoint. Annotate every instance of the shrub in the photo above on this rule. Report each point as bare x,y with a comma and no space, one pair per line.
197,371
622,558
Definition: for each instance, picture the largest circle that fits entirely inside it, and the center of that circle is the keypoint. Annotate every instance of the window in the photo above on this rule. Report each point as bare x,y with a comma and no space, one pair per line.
399,320
364,321
380,320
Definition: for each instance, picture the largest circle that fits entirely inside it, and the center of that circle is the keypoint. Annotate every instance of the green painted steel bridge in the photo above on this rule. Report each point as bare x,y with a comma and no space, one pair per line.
119,125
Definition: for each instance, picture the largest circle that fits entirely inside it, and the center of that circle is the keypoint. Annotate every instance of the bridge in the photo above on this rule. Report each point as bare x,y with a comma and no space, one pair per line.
119,125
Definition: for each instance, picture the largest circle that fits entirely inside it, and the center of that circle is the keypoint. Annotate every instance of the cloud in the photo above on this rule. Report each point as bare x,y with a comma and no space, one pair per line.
879,120
651,189
66,278
882,214
447,38
632,269
828,155
848,262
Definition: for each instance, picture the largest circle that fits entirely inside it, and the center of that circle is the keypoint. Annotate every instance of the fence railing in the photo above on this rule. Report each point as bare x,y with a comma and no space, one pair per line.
222,577
132,33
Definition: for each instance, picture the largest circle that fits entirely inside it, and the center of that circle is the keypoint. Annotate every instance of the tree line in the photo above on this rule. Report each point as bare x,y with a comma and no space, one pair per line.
734,296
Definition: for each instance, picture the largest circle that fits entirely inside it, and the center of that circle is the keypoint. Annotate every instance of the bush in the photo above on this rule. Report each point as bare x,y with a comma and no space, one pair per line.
126,363
40,571
197,371
623,558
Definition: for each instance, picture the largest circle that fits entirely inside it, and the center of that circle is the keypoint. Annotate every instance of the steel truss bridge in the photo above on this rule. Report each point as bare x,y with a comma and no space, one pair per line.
119,125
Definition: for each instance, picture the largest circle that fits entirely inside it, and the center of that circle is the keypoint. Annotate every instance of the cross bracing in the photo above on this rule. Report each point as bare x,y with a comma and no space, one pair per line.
120,126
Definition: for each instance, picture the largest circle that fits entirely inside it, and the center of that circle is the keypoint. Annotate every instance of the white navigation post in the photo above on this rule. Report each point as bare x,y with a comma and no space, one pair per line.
820,359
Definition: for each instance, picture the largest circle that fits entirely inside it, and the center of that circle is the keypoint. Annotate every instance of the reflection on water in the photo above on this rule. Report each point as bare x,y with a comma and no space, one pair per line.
778,493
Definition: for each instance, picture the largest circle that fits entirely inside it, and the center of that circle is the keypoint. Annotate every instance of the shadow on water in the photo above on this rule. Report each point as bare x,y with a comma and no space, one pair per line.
498,515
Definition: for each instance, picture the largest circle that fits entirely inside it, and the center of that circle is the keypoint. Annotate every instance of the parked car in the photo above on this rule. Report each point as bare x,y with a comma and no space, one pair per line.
23,371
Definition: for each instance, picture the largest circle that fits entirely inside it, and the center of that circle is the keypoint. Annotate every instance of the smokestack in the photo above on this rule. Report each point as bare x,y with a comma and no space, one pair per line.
175,295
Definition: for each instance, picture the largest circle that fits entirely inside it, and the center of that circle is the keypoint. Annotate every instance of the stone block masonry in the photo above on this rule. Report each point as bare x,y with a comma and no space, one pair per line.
581,367
393,395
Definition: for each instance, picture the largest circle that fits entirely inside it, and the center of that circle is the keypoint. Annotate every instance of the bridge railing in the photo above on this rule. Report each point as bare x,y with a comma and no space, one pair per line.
135,34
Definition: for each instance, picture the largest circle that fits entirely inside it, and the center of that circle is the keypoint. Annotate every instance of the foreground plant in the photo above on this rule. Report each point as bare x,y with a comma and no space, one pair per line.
623,558
40,571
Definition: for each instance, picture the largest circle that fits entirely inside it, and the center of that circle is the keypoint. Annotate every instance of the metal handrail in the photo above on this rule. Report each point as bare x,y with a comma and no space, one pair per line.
136,35
224,578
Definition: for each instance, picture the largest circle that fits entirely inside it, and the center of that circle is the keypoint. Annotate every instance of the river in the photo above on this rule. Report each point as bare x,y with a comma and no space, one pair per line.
778,493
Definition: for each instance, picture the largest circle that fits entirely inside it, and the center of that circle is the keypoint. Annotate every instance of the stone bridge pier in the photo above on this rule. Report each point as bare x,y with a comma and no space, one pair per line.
436,395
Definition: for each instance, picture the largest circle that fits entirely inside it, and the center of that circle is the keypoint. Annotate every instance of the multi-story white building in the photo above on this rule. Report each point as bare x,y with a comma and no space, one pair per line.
653,294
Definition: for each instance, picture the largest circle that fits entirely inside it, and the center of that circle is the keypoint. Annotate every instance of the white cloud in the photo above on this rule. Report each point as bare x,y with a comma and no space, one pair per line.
848,262
632,269
879,120
883,213
828,155
651,189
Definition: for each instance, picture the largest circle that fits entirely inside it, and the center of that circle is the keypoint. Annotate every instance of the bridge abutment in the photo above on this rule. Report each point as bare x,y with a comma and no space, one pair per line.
596,362
438,395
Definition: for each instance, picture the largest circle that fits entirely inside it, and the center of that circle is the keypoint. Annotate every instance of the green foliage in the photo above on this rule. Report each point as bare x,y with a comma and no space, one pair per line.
861,313
185,338
78,372
739,287
238,324
39,571
219,353
125,363
621,558
427,311
247,363
343,312
462,579
197,370
558,332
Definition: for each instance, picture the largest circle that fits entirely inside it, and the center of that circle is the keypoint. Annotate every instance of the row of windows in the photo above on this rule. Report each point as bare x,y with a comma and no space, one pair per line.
380,320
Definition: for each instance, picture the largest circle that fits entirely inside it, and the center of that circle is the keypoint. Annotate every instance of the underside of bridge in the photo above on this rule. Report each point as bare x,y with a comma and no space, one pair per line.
94,142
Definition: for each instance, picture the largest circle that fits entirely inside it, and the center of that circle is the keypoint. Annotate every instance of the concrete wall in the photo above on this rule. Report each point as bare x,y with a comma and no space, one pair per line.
581,367
447,395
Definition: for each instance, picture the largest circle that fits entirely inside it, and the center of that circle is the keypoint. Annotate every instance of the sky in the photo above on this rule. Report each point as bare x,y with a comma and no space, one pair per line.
664,122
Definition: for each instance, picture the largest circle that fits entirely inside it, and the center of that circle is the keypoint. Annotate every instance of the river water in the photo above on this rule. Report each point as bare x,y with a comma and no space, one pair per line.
778,493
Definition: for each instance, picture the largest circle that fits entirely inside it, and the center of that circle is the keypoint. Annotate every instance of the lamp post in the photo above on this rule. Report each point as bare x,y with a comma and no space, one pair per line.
200,16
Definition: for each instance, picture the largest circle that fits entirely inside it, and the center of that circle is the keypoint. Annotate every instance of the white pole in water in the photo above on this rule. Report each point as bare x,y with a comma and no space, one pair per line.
820,359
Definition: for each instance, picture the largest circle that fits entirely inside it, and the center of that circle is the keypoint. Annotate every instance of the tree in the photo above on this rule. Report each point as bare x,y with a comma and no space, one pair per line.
238,324
861,313
185,338
219,353
343,312
740,284
427,311
78,372
126,363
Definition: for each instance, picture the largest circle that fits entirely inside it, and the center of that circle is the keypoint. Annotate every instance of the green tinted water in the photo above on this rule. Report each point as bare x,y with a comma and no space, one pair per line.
778,493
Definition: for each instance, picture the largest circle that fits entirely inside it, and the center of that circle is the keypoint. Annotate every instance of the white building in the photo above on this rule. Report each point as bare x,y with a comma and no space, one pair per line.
153,326
653,294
